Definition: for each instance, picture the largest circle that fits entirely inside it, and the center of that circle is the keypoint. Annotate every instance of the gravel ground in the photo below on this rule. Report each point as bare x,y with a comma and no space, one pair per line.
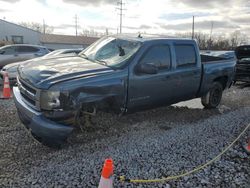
151,144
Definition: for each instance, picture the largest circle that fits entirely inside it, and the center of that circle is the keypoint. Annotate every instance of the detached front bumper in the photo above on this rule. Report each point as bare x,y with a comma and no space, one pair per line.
43,129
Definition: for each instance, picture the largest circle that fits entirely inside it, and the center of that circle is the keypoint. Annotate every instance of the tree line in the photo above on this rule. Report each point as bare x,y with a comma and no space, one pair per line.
209,42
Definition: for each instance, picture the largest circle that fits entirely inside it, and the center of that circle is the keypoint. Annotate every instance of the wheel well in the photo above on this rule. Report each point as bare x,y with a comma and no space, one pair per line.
223,80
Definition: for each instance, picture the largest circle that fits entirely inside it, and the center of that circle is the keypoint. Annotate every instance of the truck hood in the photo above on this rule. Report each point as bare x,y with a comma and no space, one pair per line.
47,72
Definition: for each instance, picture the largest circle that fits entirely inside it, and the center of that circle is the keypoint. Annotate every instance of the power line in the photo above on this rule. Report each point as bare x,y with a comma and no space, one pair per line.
120,6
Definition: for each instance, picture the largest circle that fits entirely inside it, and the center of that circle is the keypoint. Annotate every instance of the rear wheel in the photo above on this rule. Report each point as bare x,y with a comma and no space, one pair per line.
213,97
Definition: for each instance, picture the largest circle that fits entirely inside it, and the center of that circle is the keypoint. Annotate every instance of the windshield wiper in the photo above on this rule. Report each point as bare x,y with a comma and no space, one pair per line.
102,62
83,55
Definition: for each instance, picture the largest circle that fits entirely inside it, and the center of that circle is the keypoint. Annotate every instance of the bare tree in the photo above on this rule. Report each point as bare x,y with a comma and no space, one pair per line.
38,27
206,42
93,33
237,38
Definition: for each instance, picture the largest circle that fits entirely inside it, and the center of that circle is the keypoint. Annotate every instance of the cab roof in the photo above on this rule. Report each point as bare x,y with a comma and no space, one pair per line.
149,37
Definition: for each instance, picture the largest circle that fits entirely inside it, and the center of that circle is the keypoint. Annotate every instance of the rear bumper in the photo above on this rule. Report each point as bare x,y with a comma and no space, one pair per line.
43,128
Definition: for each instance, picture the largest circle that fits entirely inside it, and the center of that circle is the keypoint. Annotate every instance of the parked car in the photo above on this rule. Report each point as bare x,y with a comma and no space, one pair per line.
243,64
118,74
20,52
11,69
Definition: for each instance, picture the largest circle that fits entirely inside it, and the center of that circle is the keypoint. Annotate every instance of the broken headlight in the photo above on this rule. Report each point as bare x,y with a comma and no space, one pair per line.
50,100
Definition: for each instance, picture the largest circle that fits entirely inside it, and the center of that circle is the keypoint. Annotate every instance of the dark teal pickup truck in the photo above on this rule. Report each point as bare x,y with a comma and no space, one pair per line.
119,74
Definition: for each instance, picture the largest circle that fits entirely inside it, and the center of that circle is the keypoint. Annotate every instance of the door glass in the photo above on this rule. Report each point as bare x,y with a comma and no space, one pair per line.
26,49
185,55
8,50
159,56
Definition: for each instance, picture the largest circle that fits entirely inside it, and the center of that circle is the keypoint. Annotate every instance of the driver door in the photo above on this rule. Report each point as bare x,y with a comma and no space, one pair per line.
148,90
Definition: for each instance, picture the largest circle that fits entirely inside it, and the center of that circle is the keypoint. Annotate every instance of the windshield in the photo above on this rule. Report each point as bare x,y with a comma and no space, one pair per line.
111,51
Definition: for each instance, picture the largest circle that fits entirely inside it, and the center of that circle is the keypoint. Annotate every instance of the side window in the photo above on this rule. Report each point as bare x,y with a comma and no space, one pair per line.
159,56
27,49
185,55
8,51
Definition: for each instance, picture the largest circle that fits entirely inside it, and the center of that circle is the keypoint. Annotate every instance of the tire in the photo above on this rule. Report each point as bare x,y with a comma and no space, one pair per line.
213,97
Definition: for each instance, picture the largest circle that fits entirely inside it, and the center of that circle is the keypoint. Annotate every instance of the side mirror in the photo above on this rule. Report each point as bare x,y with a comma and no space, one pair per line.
2,52
147,68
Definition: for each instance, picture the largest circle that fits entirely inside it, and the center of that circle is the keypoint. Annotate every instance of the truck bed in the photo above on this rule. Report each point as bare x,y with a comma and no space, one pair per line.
216,67
212,59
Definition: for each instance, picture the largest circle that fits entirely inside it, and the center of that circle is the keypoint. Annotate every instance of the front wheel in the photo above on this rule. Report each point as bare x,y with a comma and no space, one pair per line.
213,97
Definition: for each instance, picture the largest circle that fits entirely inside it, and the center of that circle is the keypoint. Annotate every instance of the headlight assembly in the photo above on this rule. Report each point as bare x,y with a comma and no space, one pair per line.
50,100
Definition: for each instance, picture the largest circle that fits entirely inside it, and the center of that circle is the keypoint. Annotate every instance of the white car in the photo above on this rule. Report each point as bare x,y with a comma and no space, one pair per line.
20,52
11,69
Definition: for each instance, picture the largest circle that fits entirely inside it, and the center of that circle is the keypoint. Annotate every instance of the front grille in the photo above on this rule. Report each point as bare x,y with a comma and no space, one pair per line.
28,88
28,93
29,100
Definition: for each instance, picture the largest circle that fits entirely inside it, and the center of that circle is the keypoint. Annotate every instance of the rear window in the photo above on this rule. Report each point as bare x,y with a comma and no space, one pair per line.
185,55
27,49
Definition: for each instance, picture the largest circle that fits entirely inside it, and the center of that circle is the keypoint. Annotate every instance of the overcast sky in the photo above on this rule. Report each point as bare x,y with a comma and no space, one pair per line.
151,16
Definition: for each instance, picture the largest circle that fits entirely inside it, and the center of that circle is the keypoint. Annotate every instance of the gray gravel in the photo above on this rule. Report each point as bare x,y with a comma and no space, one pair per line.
151,144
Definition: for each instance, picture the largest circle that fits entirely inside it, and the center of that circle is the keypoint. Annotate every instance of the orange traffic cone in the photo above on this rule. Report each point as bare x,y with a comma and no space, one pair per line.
6,87
247,146
106,180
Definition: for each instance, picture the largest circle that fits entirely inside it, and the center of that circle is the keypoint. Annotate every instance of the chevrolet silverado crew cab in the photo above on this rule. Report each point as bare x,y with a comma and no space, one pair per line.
120,74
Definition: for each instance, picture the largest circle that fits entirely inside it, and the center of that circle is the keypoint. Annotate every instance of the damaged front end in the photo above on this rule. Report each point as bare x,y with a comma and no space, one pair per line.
84,98
51,115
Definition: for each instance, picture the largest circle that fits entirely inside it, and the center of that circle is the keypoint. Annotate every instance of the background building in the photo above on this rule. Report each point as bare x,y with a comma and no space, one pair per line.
11,33
53,41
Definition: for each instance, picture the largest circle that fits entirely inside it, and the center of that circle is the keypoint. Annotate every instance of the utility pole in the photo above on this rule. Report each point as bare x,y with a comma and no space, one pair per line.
44,26
211,31
76,22
193,29
121,9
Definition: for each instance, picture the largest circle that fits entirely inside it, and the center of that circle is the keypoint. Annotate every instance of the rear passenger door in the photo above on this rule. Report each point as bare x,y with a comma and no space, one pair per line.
187,71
